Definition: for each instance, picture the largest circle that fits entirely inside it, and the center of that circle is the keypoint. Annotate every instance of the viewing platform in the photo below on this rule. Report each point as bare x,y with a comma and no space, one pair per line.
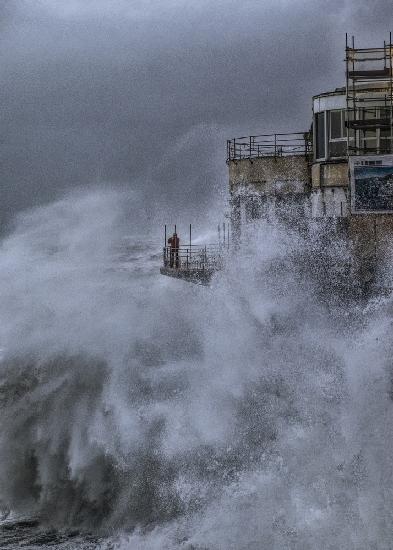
194,263
269,145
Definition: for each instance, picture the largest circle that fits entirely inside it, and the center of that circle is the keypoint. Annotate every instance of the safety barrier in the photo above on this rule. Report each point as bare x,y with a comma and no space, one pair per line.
269,145
193,257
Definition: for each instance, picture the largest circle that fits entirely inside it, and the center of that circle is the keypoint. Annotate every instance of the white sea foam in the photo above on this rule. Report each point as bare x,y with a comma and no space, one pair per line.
245,415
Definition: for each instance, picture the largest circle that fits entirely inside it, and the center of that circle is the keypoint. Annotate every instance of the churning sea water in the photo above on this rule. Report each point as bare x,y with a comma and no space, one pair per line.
147,413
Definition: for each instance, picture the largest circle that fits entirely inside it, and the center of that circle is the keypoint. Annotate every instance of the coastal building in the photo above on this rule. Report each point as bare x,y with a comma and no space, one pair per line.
340,171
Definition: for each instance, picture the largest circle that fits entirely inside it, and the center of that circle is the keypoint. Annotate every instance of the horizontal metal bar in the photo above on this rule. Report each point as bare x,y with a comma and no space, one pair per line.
369,50
269,135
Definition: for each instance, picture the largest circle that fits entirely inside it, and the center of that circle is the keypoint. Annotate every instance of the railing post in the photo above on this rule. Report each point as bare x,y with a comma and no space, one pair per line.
275,146
250,146
165,261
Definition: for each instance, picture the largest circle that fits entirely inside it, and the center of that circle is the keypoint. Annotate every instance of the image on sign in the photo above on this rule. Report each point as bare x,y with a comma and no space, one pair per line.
373,186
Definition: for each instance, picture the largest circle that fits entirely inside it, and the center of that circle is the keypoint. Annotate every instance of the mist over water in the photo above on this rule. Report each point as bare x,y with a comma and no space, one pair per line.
160,414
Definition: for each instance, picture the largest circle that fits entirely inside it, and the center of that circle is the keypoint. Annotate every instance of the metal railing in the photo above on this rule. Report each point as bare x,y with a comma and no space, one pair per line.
194,257
269,145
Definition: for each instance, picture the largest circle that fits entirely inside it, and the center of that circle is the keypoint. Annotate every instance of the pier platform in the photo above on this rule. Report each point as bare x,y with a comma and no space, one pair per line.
192,263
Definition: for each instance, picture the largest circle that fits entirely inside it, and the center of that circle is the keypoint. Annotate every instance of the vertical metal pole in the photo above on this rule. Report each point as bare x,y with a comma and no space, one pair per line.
356,133
228,237
250,148
165,249
219,233
391,91
190,241
172,254
347,90
275,145
385,57
224,232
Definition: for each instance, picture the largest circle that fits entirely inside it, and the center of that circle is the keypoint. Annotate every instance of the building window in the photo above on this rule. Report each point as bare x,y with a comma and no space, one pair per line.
368,140
336,125
320,136
385,136
375,137
337,134
385,140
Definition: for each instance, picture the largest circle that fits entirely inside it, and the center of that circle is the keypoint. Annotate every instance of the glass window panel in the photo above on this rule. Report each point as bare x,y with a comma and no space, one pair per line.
385,146
385,133
320,135
369,113
335,125
349,116
369,135
385,141
338,148
369,140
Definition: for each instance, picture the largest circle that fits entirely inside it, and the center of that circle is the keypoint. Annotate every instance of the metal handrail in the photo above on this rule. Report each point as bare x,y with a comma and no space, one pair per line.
269,145
196,257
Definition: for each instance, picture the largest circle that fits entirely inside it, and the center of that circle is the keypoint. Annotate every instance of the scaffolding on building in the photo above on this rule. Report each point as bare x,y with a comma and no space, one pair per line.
369,94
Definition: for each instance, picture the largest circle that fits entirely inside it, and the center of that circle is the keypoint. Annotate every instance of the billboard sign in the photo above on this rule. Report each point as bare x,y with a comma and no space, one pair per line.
371,183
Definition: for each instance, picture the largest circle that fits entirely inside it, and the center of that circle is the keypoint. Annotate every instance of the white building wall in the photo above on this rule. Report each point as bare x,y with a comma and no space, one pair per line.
329,103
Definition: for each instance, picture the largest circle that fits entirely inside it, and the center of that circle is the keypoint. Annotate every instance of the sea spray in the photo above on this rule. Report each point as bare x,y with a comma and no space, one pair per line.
250,414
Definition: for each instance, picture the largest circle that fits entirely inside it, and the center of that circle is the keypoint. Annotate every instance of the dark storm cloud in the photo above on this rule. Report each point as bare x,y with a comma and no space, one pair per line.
144,94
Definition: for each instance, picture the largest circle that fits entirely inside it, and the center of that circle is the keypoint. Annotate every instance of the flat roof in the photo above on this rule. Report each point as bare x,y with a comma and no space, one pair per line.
337,91
361,89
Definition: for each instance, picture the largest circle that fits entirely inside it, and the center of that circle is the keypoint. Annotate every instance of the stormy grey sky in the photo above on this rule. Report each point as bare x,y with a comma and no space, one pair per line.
143,94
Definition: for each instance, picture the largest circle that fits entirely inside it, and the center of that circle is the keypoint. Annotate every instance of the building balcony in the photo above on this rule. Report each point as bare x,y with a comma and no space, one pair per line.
269,145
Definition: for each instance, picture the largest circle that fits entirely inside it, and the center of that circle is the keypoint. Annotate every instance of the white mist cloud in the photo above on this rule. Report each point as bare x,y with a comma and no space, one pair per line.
224,416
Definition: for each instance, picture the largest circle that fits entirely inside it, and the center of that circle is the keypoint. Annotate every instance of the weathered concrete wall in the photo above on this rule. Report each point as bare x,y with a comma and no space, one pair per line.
371,237
330,174
334,175
330,184
270,176
331,202
316,175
